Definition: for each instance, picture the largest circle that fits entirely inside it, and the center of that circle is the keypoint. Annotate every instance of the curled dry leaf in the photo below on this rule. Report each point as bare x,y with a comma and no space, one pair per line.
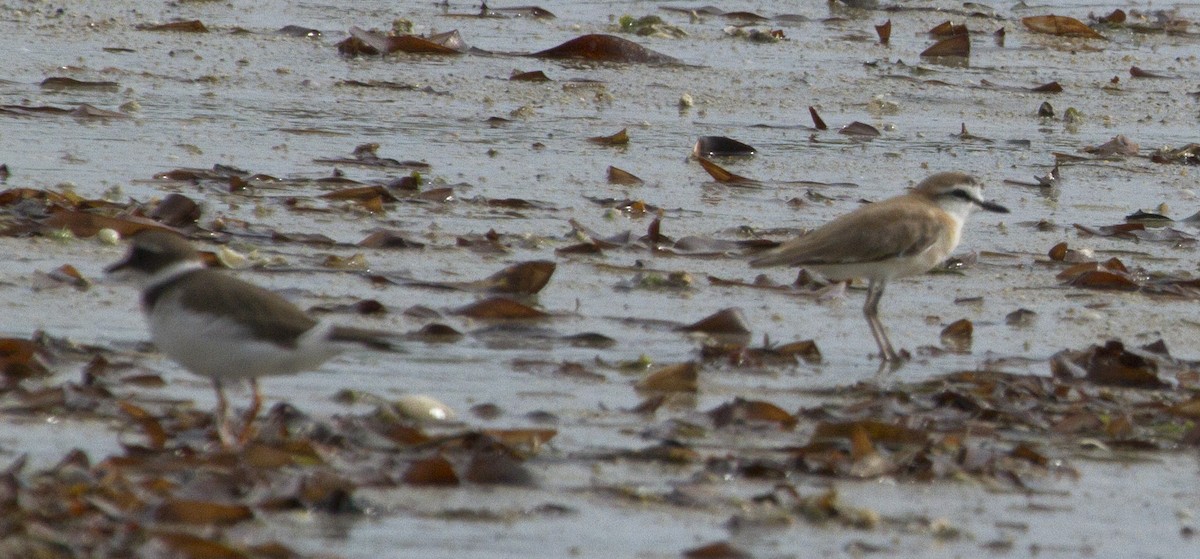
18,358
69,275
720,174
87,224
716,550
71,83
958,335
450,42
156,436
742,411
189,26
1136,72
1051,87
877,431
721,146
1119,145
525,278
884,30
1186,155
605,48
860,130
958,45
432,471
534,76
528,441
1093,275
725,321
300,32
621,176
818,123
1111,365
1060,25
620,138
1020,318
683,377
389,239
948,29
201,513
176,210
499,308
190,546
493,464
1058,252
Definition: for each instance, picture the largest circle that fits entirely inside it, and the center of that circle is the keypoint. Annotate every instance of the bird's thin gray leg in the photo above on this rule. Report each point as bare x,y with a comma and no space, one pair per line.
224,432
251,414
871,311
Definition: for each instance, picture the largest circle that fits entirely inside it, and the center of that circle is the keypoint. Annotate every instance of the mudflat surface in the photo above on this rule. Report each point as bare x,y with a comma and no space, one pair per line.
245,96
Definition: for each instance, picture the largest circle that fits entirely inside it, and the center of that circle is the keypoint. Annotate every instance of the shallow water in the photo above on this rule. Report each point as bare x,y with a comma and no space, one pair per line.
272,104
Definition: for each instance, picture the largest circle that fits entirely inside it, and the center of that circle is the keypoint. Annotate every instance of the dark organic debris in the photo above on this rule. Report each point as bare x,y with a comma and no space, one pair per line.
72,84
723,322
367,155
1110,365
1186,155
187,26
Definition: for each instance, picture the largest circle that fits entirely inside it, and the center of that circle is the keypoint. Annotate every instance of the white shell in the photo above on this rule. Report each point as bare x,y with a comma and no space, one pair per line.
422,408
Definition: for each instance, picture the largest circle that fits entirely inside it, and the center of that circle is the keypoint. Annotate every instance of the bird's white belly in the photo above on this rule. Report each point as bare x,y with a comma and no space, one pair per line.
884,270
219,348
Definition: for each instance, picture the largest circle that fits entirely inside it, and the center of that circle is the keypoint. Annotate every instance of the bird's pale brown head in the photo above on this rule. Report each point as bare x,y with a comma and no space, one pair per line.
154,250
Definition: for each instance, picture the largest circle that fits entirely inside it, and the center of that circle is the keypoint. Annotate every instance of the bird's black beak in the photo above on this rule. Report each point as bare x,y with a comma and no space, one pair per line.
120,265
992,207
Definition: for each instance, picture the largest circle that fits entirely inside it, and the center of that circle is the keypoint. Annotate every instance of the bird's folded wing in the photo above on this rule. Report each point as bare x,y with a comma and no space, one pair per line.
871,234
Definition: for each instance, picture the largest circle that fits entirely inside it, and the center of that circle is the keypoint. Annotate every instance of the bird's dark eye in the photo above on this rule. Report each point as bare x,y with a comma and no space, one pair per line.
962,195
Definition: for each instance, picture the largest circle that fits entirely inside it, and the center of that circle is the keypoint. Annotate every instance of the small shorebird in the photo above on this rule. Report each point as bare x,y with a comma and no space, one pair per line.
223,328
900,236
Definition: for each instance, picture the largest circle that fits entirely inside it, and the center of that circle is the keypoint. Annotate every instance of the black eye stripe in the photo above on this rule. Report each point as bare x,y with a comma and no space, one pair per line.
962,195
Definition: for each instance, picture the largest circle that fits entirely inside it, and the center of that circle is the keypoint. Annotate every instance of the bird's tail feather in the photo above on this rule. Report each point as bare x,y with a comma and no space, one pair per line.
374,339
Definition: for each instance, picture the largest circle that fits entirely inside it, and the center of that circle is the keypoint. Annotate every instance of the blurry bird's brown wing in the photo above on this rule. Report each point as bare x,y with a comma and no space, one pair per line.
870,234
264,314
